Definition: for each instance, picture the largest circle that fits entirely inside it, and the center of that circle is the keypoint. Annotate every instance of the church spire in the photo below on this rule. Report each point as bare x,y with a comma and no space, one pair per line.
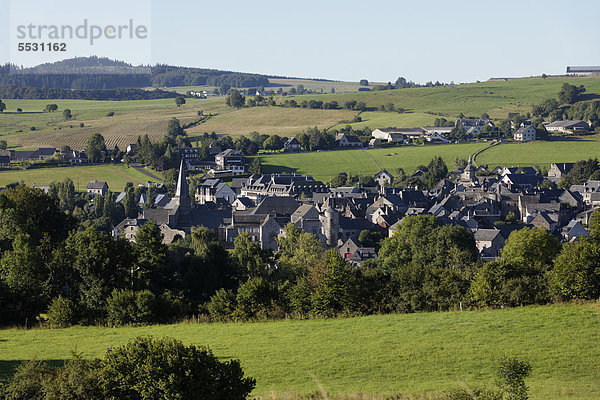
182,191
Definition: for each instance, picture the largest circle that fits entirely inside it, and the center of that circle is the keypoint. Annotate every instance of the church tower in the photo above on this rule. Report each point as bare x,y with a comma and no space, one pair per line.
331,226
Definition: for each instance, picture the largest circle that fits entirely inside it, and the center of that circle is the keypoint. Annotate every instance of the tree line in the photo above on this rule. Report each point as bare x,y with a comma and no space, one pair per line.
53,76
11,91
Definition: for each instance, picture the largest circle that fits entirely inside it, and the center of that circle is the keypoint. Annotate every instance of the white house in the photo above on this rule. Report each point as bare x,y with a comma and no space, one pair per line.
525,133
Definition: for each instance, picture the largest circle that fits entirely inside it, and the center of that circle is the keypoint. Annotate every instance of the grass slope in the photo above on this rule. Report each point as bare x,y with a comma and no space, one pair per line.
132,118
115,175
412,353
271,121
542,153
495,98
391,119
325,165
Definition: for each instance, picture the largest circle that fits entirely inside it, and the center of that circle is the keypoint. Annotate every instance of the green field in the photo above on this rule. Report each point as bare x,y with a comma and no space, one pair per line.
495,98
412,353
542,152
325,165
392,119
115,175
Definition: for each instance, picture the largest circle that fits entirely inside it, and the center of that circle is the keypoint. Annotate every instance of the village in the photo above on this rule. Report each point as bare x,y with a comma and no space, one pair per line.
491,206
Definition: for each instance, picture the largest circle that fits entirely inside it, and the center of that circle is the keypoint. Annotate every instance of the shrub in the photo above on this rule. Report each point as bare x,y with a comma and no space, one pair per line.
28,381
166,369
110,114
511,378
32,128
143,369
128,307
145,303
81,125
120,307
171,307
61,313
222,304
254,297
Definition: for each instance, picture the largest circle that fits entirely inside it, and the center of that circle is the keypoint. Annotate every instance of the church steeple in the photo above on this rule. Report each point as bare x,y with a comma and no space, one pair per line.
182,196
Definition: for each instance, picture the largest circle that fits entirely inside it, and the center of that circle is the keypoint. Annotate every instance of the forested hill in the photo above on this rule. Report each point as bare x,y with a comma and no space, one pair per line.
102,73
15,92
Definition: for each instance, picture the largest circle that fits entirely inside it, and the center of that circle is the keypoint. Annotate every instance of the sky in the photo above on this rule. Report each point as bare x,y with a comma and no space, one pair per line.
460,41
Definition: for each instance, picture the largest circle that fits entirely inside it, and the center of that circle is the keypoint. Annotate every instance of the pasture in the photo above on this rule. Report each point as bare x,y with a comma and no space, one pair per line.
391,119
473,99
327,164
115,175
374,355
542,153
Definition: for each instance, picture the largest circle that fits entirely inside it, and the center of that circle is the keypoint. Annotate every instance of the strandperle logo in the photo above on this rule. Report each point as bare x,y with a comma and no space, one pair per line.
85,31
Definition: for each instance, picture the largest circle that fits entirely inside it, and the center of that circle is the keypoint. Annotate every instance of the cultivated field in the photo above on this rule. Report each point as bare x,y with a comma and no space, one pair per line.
412,353
115,175
325,165
133,118
271,121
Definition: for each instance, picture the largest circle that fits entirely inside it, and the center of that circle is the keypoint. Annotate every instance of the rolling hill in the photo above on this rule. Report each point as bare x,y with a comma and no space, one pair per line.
376,355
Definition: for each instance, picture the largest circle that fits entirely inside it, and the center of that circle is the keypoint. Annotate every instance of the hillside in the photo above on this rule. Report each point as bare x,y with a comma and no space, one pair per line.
103,73
411,353
423,105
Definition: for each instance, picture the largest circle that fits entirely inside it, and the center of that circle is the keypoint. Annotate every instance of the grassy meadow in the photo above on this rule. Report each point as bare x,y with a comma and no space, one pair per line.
375,355
115,175
495,98
325,165
541,153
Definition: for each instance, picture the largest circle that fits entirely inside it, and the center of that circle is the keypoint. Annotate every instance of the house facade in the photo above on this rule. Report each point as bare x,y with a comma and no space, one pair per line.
525,134
97,187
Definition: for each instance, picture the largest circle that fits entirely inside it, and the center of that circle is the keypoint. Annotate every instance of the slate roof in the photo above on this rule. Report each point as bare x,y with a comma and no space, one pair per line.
486,235
276,206
355,223
96,184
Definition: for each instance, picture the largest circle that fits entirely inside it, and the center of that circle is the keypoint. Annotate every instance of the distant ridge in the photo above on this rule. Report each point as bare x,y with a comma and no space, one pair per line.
103,73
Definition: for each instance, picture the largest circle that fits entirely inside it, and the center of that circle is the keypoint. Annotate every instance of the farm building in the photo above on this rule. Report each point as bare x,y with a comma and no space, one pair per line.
568,126
585,71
